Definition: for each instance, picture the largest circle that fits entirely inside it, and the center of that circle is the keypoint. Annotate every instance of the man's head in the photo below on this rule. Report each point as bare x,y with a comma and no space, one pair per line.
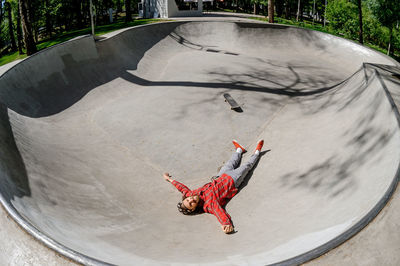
189,204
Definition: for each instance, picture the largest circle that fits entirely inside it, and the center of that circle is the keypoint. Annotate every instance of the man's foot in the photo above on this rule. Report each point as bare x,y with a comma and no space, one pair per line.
238,146
259,146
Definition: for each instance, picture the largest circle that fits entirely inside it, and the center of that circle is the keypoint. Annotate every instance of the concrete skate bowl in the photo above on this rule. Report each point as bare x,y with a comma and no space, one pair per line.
88,128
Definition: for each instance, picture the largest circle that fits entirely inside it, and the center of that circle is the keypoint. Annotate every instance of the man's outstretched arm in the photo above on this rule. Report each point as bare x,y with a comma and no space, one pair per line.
181,187
167,177
223,217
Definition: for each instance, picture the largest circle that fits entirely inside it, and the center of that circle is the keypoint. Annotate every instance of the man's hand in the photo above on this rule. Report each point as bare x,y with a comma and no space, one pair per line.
167,177
227,229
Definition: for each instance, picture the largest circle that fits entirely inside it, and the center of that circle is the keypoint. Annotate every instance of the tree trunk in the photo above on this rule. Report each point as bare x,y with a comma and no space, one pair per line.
59,24
107,4
390,48
98,14
19,32
313,13
78,13
11,27
85,13
287,9
1,19
301,11
298,10
1,15
119,9
128,10
360,33
25,10
35,33
279,7
271,11
49,26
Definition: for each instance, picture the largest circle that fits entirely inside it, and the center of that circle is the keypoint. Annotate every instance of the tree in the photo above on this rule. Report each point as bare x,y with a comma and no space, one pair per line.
343,19
287,9
19,31
1,21
255,6
271,11
298,10
119,8
279,5
128,11
78,13
25,10
48,22
388,13
360,38
10,26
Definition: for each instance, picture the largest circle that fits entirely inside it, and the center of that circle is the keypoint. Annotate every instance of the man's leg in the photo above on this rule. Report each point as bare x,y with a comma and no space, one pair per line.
232,163
240,173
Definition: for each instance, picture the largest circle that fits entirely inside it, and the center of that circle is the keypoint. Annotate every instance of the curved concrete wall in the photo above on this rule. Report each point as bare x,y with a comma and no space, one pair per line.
86,131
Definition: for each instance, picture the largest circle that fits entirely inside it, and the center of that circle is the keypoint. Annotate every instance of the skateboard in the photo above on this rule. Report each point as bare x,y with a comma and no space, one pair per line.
231,101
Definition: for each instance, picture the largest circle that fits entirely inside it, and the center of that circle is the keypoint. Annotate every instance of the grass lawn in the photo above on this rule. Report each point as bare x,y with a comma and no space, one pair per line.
99,30
5,59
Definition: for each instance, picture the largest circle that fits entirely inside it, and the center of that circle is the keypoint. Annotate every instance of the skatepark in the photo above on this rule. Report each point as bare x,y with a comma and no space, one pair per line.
88,128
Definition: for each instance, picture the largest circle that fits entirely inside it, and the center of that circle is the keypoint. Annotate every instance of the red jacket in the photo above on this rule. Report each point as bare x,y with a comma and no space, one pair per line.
213,195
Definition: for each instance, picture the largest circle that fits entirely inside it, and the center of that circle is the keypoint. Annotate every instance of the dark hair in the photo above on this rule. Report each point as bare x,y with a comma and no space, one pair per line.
182,209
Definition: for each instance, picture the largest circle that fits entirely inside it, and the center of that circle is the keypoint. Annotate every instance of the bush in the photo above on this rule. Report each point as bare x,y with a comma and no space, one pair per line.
343,18
396,42
374,32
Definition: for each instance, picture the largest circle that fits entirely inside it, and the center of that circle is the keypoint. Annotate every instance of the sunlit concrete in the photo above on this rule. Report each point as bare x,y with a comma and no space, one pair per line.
88,128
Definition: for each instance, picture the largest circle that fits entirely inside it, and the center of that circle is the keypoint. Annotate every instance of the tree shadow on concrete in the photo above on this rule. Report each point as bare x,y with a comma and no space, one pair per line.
364,139
333,176
60,90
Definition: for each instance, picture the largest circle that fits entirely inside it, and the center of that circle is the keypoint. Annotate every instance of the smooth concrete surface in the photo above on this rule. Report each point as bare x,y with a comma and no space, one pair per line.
88,128
19,248
379,242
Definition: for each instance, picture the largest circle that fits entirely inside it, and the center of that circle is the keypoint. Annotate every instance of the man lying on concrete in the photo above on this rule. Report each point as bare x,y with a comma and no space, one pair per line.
212,197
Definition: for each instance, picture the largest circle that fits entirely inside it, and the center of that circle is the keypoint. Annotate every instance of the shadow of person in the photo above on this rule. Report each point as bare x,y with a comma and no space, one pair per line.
250,173
248,176
246,181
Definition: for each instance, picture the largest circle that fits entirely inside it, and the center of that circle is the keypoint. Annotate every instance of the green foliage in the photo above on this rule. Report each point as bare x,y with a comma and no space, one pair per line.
343,18
260,2
374,32
378,17
57,19
375,35
396,41
319,6
386,11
